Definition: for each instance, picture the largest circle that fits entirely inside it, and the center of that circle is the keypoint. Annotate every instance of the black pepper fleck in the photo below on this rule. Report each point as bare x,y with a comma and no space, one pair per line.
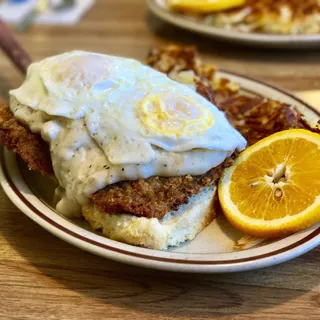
122,169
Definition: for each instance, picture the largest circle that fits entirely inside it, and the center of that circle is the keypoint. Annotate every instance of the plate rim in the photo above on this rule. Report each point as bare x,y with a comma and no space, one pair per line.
254,38
277,256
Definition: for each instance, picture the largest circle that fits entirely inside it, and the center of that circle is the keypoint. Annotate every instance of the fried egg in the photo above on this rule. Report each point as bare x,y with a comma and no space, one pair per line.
109,119
126,106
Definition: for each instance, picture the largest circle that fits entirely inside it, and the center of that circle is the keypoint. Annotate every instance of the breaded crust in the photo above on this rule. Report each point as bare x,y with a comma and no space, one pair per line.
156,196
19,139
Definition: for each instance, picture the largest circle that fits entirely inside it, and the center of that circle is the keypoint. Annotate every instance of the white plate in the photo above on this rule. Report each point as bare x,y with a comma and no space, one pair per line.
160,9
211,251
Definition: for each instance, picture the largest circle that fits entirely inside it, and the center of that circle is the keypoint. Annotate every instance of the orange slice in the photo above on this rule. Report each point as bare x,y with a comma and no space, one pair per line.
273,188
204,6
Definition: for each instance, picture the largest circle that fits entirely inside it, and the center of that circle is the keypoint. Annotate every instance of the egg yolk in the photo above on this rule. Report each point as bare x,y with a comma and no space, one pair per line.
174,117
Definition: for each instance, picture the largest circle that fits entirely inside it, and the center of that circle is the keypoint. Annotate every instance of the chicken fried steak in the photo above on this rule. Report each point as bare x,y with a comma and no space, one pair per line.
254,117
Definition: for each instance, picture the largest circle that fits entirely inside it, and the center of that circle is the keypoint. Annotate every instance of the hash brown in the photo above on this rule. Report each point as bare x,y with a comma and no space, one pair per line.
254,117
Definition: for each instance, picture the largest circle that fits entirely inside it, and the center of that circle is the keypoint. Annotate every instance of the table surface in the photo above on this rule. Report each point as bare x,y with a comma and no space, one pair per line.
42,277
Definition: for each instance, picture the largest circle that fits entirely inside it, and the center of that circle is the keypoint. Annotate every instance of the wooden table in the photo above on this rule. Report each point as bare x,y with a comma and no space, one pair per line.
42,277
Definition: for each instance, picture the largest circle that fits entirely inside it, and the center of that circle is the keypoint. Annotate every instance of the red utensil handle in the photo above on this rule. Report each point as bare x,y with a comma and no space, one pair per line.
13,49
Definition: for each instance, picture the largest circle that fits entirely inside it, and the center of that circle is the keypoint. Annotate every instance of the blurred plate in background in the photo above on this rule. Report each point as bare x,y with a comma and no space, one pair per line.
161,10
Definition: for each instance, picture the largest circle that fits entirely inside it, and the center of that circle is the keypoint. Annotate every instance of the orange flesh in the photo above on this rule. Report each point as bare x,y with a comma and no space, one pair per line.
273,184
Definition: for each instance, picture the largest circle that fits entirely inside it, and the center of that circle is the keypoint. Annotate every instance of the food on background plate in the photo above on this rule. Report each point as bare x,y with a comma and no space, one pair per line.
136,153
204,6
267,16
164,194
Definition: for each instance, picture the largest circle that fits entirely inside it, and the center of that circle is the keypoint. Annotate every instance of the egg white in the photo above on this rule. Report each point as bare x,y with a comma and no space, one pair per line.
98,111
108,92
